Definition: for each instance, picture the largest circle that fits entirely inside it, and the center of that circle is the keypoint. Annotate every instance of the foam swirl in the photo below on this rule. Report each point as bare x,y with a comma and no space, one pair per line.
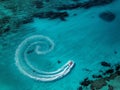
41,45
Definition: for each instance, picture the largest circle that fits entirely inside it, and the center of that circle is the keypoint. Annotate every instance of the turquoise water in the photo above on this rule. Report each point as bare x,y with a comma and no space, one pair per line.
85,39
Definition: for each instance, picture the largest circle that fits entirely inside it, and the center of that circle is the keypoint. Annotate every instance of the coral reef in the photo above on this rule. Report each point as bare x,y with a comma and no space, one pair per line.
107,16
102,80
51,15
14,13
105,64
86,5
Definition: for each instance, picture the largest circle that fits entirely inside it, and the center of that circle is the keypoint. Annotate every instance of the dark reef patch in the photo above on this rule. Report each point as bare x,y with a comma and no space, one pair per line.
28,20
86,82
38,4
30,51
107,16
70,7
105,64
109,71
58,61
47,0
30,9
80,88
110,87
86,5
117,67
92,3
97,84
97,76
4,25
52,15
101,80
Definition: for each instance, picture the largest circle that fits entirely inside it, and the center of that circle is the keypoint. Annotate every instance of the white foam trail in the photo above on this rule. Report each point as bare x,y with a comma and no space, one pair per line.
26,68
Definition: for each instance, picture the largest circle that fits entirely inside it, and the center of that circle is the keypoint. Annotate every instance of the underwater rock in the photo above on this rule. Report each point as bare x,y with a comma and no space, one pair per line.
97,76
2,0
4,20
101,80
38,4
80,88
59,61
70,7
107,16
4,25
30,51
51,15
7,29
118,72
92,3
105,64
117,67
27,20
98,84
75,0
47,0
110,87
86,82
75,14
109,71
86,5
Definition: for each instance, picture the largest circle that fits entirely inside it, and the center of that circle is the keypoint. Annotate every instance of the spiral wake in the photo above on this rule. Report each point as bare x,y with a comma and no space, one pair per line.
41,45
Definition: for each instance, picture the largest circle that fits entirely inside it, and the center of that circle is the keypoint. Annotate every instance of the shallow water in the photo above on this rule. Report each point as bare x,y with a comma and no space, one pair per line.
85,39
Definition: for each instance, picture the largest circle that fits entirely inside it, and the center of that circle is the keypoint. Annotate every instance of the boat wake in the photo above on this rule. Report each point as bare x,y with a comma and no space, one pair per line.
41,45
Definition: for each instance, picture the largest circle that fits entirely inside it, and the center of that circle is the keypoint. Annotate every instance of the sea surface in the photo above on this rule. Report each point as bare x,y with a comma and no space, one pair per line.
85,38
